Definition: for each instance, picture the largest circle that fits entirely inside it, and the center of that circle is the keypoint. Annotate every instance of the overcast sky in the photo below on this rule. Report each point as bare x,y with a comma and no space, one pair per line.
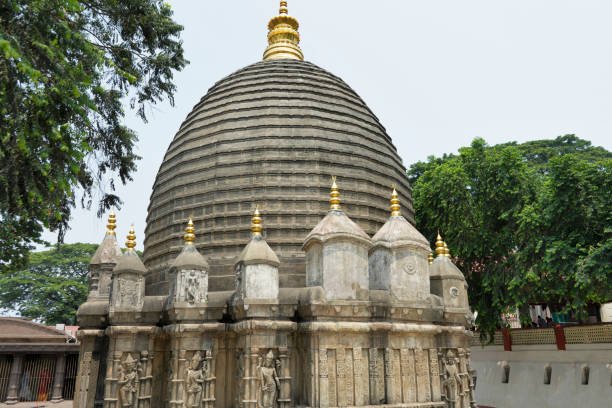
436,73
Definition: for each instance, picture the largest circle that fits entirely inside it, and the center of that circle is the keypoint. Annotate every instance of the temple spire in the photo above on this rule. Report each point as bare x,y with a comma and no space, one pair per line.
283,37
189,236
334,195
440,246
396,210
130,243
256,227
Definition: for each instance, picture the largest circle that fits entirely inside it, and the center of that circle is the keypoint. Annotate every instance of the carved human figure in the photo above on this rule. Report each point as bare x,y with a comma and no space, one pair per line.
452,384
268,380
194,380
191,289
128,382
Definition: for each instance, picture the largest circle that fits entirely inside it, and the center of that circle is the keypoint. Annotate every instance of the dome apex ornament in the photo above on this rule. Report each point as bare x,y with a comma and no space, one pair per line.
111,224
334,196
189,236
256,227
440,251
446,251
283,37
396,209
131,239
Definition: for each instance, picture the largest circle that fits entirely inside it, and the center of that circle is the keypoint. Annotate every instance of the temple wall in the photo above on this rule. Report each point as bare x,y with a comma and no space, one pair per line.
542,376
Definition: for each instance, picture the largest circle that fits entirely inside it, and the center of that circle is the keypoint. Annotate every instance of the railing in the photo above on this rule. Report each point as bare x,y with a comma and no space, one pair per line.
559,335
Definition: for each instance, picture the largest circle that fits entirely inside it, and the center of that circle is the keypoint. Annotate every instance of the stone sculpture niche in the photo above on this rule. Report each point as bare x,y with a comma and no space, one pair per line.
269,383
128,382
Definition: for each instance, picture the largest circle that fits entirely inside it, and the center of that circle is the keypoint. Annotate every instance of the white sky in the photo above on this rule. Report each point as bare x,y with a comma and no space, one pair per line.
436,73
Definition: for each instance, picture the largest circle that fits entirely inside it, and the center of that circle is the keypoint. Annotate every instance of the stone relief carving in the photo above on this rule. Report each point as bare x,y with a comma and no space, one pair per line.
194,379
191,288
128,382
269,384
452,384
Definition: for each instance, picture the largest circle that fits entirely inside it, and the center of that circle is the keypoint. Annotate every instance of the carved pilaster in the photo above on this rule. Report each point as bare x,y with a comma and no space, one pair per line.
434,368
341,377
350,378
323,379
284,400
422,375
362,393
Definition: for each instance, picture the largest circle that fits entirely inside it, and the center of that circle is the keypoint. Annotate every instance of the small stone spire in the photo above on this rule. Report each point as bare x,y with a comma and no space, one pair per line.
256,227
283,37
189,236
334,195
111,224
130,243
396,209
440,246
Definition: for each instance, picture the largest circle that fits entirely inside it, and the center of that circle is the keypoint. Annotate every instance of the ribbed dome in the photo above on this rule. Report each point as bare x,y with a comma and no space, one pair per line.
271,134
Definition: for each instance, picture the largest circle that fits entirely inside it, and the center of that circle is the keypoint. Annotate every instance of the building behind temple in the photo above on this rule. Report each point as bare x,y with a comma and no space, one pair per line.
267,282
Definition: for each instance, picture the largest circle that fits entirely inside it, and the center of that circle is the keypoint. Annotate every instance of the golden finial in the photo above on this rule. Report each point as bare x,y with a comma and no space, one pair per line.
439,246
111,224
256,227
446,251
283,8
283,37
334,196
131,239
189,236
430,258
396,210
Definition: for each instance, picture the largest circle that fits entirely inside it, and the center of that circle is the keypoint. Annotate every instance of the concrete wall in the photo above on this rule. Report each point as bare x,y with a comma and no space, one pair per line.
527,366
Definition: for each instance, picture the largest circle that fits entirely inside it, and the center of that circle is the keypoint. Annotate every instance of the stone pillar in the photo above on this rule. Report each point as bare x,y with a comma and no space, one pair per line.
12,397
58,381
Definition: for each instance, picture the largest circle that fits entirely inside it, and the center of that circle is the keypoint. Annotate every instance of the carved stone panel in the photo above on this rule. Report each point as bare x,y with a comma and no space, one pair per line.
268,387
128,382
361,380
421,358
407,375
191,287
434,367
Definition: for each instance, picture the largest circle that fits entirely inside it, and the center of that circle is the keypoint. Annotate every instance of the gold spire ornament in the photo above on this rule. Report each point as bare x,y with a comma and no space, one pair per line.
334,195
283,37
440,246
430,258
189,236
256,227
396,209
111,224
446,251
131,239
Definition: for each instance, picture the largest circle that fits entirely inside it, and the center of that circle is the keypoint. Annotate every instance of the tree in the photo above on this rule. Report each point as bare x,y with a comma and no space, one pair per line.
66,67
52,287
524,221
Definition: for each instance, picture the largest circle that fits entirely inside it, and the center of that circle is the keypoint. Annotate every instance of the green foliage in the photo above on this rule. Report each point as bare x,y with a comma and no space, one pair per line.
525,222
52,287
66,66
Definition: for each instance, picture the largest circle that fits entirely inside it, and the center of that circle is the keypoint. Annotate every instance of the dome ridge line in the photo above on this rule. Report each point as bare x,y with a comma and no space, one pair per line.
276,116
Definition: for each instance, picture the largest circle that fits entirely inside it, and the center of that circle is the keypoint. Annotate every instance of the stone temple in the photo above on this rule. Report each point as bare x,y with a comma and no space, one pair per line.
279,268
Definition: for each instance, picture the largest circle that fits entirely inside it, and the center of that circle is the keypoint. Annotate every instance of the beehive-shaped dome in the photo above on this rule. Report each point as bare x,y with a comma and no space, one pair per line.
270,134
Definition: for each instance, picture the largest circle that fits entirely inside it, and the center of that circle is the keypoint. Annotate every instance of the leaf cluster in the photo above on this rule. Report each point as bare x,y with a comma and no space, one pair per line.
66,67
52,287
526,222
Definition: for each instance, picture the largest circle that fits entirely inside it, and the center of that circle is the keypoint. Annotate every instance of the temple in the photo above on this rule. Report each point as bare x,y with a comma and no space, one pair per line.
280,268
